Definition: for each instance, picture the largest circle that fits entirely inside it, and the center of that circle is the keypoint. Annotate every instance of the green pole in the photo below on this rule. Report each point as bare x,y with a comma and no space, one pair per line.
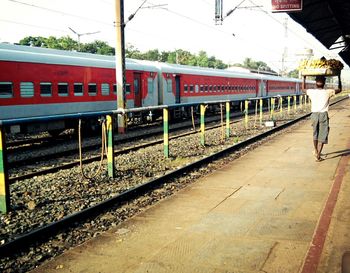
110,146
4,183
202,113
227,119
295,102
166,131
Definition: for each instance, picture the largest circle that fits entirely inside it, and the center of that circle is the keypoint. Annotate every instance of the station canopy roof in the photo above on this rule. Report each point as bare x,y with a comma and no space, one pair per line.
329,22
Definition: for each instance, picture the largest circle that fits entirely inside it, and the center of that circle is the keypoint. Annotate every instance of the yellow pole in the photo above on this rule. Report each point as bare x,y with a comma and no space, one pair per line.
202,119
110,146
288,104
246,119
261,111
281,108
4,183
166,131
272,108
227,119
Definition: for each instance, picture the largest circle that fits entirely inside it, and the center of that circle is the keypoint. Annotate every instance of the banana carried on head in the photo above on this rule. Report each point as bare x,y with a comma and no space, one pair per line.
321,63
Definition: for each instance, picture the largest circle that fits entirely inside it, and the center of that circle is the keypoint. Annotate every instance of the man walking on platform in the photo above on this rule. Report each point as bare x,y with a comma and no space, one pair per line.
319,107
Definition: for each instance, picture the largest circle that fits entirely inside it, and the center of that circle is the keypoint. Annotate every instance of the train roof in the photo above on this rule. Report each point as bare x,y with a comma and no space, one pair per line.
203,71
9,52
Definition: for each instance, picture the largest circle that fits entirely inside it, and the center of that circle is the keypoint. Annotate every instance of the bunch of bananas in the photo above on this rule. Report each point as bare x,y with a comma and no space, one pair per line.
335,64
321,63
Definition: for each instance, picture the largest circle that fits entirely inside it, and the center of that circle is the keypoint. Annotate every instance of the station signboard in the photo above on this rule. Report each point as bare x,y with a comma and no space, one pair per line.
286,5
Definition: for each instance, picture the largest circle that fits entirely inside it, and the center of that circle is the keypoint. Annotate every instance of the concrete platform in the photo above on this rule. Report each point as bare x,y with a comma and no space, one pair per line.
273,210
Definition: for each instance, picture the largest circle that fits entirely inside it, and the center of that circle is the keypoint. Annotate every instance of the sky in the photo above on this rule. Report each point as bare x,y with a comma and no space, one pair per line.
250,31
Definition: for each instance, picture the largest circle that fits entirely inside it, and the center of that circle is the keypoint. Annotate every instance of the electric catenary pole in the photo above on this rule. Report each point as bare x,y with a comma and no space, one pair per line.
120,63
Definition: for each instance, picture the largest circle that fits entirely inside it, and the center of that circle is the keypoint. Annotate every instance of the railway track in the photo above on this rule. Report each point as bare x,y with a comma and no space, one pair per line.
32,146
23,241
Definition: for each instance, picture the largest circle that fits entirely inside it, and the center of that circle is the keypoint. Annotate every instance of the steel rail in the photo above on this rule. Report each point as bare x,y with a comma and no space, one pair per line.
125,150
23,162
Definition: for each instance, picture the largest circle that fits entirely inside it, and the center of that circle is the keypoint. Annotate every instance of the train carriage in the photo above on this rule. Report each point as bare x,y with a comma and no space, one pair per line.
188,84
39,82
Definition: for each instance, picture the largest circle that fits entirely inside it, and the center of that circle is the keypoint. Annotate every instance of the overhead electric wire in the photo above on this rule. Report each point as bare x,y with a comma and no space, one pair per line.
292,31
61,12
30,25
217,30
132,15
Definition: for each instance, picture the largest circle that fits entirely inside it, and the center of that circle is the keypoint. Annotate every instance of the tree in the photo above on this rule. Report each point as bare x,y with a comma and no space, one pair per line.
152,55
177,56
33,41
67,43
293,73
202,59
97,47
132,52
255,65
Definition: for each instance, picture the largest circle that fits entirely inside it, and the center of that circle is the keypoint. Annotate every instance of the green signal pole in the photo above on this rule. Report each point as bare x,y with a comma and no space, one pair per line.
4,183
110,146
166,131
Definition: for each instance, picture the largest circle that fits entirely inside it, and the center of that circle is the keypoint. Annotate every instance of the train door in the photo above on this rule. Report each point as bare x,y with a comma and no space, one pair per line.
177,89
137,90
263,88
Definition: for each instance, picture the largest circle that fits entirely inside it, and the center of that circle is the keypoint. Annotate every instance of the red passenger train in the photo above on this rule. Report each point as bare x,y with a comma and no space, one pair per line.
39,82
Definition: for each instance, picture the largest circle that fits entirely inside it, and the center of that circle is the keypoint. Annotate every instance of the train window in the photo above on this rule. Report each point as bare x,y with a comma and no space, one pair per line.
191,88
6,90
170,85
201,88
114,88
78,89
63,89
92,89
185,88
214,88
45,89
27,89
150,85
210,88
105,89
196,88
127,89
222,88
206,88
